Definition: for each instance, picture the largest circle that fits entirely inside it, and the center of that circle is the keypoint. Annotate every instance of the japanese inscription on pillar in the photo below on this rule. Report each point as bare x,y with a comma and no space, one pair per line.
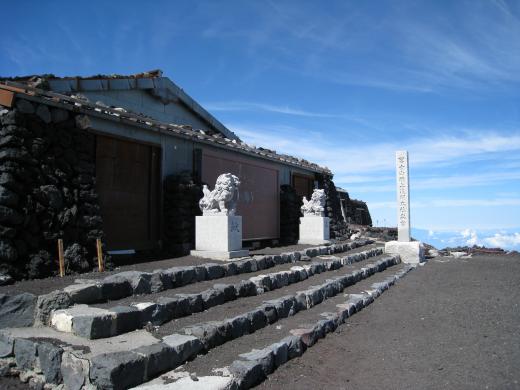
403,196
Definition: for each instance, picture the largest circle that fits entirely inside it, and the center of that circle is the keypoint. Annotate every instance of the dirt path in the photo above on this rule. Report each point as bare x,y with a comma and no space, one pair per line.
449,325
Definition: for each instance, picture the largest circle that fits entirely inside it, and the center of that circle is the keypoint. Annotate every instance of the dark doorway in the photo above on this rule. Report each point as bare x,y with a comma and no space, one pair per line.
128,177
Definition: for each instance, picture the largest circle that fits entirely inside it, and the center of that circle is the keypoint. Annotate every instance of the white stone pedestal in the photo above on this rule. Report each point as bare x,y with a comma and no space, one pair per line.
219,237
411,252
314,230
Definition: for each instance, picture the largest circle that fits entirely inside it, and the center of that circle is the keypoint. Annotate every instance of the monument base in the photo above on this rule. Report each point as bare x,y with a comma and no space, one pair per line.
411,252
314,230
221,255
219,237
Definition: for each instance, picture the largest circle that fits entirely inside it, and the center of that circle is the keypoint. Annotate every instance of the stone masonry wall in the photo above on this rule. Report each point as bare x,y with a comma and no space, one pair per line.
181,205
47,191
338,227
356,211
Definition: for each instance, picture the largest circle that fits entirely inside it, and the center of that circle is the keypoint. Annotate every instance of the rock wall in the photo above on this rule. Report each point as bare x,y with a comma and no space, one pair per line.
338,227
47,191
356,211
181,205
290,204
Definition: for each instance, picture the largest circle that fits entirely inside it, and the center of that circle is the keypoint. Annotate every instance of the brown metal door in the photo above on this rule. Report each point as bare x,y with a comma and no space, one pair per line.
127,177
259,202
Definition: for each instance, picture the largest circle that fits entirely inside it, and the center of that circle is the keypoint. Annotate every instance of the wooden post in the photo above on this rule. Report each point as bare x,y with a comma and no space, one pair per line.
61,258
101,266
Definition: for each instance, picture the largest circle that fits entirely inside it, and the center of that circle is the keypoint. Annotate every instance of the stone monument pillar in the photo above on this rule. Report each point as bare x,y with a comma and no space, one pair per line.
314,226
218,232
410,251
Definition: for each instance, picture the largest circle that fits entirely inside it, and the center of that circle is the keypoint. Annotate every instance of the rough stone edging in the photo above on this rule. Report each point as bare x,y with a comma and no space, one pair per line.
131,368
93,323
253,367
127,283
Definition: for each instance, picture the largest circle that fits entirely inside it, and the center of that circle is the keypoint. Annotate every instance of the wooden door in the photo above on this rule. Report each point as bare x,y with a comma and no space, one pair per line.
127,179
259,194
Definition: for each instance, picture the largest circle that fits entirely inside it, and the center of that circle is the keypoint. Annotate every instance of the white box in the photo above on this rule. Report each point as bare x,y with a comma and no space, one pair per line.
411,252
219,237
314,230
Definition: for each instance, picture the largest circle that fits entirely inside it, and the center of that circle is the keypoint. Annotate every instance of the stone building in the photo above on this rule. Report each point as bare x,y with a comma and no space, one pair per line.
123,158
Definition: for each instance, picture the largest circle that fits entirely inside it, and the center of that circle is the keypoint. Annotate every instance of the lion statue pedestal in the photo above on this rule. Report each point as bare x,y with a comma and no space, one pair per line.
218,232
314,226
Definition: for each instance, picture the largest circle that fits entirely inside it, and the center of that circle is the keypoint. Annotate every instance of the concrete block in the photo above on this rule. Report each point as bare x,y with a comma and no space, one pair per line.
117,370
239,326
295,347
84,293
114,287
212,297
247,373
127,318
195,302
264,357
185,346
410,252
314,230
214,271
257,319
246,288
159,358
146,311
229,291
219,237
95,326
206,332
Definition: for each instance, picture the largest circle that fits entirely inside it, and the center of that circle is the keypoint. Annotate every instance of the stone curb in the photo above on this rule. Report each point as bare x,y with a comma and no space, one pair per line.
127,283
253,367
123,369
215,333
93,323
196,339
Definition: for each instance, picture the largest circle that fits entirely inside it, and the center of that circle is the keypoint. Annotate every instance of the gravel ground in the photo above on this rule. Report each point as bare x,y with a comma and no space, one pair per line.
44,286
204,285
453,324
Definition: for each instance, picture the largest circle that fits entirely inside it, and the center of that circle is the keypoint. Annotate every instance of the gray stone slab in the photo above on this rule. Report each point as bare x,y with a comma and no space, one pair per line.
118,370
17,310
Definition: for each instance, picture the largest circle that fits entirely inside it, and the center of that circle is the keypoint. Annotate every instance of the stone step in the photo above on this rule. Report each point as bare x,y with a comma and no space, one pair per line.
247,361
103,321
135,357
129,283
246,304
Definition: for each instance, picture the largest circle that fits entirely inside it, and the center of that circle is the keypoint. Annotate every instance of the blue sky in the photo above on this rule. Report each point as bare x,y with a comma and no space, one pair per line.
343,83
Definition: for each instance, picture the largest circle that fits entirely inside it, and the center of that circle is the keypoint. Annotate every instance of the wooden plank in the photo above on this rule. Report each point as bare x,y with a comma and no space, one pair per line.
61,258
6,98
101,265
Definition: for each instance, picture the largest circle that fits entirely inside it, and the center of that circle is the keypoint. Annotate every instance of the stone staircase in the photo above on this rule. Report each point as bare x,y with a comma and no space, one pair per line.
210,326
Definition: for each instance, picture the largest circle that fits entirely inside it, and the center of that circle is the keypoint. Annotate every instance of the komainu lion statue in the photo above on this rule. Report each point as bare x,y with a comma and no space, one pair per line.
315,206
223,199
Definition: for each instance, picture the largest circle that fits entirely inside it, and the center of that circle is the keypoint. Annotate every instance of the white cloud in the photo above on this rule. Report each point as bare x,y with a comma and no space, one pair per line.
504,241
251,106
344,159
470,236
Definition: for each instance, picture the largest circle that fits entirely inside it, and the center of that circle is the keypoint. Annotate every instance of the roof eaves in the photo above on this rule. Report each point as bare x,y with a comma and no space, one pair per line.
77,105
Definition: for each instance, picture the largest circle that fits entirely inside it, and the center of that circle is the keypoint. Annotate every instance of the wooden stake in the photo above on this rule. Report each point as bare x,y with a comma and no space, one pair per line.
101,266
61,258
